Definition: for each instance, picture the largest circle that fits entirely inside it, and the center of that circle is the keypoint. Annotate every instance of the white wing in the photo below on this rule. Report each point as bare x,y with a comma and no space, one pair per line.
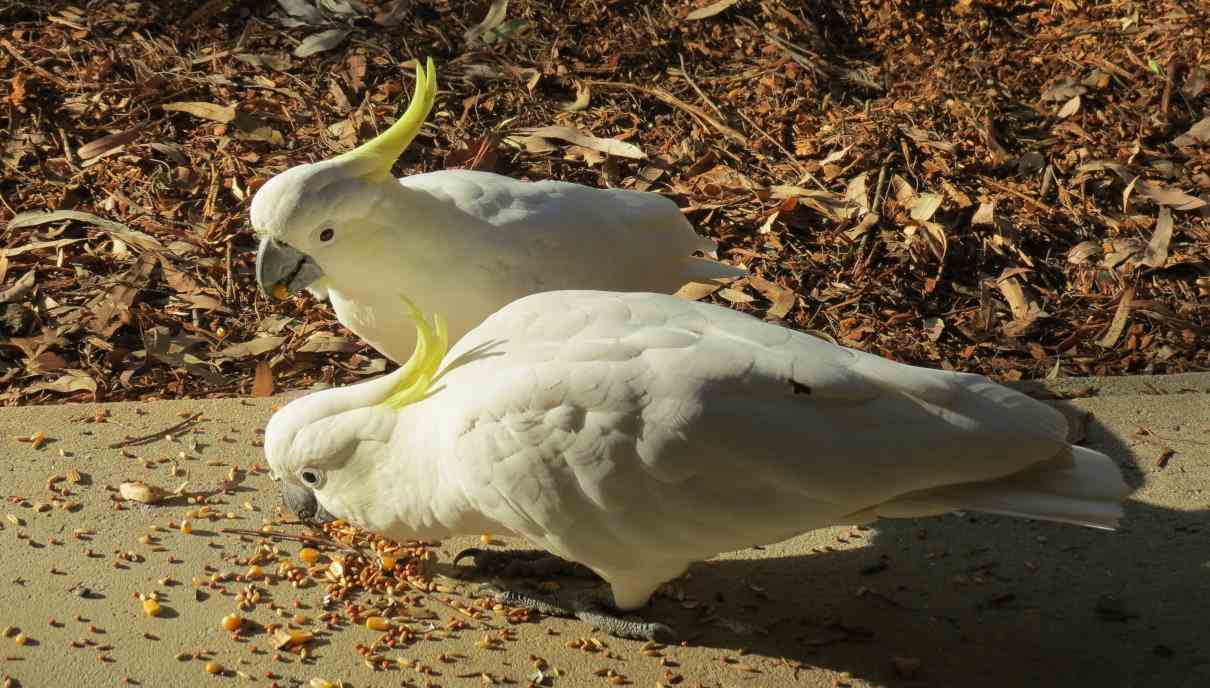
578,235
605,425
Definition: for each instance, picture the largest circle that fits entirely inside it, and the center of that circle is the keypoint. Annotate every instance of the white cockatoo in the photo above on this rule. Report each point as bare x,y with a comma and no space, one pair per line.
458,242
635,433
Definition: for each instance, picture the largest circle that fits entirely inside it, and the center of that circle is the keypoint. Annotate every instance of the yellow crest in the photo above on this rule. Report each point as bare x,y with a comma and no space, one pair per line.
417,375
375,157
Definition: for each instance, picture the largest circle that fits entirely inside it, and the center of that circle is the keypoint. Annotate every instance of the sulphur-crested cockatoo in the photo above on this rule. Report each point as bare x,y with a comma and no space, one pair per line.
636,433
458,242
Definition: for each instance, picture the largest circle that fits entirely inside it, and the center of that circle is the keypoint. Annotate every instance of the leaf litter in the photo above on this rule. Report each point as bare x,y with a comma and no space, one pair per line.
1018,189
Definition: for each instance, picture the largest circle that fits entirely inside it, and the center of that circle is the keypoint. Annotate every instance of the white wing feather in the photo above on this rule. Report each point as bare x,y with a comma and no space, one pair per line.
599,425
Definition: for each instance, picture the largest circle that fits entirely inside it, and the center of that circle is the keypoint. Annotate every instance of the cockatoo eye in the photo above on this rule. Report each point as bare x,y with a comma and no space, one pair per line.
327,235
311,477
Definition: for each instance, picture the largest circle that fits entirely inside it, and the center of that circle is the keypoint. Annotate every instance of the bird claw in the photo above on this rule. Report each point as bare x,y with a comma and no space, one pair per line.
587,607
593,606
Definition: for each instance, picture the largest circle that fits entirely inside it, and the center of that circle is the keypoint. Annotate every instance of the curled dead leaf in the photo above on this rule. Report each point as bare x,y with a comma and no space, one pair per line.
1156,253
1120,317
1083,252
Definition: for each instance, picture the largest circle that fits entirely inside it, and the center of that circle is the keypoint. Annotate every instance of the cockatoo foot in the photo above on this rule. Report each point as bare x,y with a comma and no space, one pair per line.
525,563
590,607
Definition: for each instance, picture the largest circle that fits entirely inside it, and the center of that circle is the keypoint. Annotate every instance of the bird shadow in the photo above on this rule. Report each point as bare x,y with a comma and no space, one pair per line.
972,599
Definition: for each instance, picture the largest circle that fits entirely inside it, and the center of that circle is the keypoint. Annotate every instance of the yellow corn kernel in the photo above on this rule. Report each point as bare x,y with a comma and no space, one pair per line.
151,607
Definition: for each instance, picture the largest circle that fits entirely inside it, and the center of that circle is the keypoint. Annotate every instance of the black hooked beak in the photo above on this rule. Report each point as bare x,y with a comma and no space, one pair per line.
303,503
282,270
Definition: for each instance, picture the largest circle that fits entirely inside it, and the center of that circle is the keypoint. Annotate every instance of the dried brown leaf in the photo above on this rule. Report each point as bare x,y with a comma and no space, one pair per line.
735,295
321,42
174,350
925,206
1198,134
933,328
20,289
1157,249
262,384
1069,108
1175,198
494,18
108,143
621,149
250,128
1022,308
254,347
709,10
110,310
698,290
70,381
393,13
1120,317
322,342
1065,90
1083,252
583,96
210,111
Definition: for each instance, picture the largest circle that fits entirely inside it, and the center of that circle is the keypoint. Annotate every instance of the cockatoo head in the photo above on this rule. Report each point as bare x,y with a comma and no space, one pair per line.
310,217
315,444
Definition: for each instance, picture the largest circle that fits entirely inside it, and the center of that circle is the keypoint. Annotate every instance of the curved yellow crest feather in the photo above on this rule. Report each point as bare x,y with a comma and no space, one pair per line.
376,156
417,375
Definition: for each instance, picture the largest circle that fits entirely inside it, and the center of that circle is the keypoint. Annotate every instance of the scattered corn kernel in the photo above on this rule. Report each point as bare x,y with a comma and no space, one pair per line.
20,639
377,623
151,607
186,527
214,668
232,622
388,563
308,555
255,572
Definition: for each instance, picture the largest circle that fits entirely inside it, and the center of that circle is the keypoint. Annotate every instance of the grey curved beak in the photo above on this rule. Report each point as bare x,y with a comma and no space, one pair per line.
303,503
282,264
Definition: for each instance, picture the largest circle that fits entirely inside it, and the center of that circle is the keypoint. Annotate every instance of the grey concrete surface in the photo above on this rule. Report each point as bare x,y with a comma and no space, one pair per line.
972,600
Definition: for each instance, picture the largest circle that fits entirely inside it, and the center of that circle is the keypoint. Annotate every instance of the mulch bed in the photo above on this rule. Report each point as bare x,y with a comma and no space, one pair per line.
1010,187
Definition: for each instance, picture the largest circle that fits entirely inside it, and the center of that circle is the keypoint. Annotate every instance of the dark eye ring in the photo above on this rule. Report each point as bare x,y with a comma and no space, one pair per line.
327,234
311,477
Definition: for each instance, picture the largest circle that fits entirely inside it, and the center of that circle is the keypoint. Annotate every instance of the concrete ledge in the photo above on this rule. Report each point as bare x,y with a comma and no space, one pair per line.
975,600
1127,385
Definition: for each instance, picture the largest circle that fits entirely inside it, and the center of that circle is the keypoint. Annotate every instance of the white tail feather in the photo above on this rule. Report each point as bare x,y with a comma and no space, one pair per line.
1080,486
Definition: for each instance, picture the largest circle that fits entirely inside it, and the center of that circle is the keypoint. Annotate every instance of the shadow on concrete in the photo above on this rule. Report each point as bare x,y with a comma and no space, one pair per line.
979,600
